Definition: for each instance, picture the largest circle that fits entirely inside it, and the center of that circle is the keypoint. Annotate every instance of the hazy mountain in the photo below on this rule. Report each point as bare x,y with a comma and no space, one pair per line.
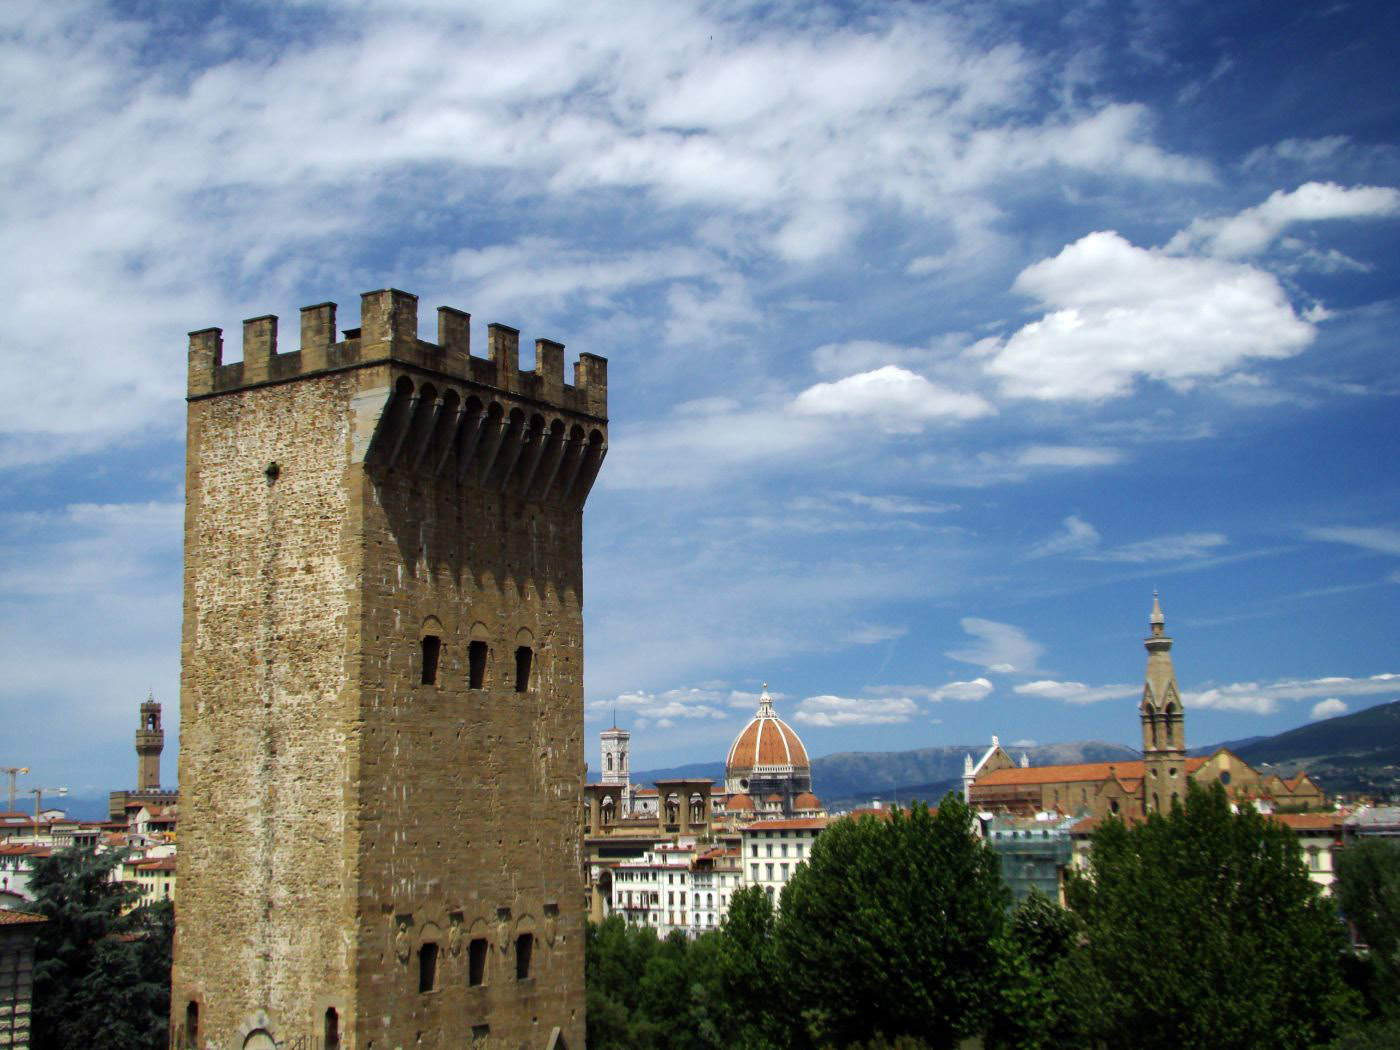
860,775
1350,754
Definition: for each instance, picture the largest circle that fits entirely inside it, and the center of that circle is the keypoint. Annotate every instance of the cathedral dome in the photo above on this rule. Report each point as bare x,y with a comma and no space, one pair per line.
767,746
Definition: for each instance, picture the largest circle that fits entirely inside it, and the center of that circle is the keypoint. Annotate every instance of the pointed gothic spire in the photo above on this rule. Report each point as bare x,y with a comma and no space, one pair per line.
1157,621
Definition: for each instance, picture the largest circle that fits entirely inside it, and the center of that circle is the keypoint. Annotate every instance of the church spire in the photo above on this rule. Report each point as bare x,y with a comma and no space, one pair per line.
1163,728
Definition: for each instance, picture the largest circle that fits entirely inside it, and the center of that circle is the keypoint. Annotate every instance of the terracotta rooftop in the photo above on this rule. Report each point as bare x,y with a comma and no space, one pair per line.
1311,821
1087,772
19,918
792,824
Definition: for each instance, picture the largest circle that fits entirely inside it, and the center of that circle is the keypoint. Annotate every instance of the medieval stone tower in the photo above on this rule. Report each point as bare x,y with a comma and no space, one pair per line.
1163,731
381,690
150,742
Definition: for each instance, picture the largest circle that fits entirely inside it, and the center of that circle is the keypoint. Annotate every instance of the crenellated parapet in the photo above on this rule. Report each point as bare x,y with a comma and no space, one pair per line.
389,332
442,413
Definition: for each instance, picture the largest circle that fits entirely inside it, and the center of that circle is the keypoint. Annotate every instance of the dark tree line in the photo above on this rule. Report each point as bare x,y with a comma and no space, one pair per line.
101,971
1199,927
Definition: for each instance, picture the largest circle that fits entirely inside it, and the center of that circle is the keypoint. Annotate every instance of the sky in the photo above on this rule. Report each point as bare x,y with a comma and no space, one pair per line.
939,337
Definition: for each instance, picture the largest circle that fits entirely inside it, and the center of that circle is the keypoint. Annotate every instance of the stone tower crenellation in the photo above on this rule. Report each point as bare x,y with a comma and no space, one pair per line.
382,686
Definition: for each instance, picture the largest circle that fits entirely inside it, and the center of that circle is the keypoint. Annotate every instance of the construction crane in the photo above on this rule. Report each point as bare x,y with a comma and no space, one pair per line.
39,794
13,771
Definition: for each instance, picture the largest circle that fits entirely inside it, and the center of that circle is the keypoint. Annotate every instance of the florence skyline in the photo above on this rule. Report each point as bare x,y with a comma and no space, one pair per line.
939,338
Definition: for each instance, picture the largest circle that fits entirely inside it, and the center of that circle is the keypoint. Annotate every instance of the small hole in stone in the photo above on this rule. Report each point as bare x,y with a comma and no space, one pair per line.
272,471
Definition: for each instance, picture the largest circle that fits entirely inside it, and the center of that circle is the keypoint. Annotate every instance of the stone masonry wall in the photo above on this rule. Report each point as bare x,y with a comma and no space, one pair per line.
468,797
265,857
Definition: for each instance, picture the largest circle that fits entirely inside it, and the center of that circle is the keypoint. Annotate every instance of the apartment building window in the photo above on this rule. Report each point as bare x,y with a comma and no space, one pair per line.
770,850
753,872
784,849
785,872
770,872
799,850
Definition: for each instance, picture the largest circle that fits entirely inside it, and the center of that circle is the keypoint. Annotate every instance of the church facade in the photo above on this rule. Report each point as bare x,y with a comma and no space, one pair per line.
1135,788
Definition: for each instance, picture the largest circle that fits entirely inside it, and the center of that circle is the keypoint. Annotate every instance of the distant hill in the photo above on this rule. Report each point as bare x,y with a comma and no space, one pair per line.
1355,754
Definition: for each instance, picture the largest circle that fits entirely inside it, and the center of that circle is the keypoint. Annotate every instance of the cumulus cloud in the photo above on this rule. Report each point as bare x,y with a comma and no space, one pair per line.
654,708
421,124
1076,692
1119,313
1379,540
891,397
977,689
999,647
1253,230
1265,699
1328,709
829,711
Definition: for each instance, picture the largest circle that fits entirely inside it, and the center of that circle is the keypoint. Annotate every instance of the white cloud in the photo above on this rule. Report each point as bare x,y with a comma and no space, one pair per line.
429,126
1179,547
829,711
1076,692
1067,456
893,398
1076,536
1293,152
1380,540
1328,709
1119,313
1079,538
1253,230
874,633
1265,699
1000,647
669,705
977,689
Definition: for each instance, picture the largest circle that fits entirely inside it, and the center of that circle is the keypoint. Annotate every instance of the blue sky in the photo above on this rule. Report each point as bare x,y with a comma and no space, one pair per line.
939,336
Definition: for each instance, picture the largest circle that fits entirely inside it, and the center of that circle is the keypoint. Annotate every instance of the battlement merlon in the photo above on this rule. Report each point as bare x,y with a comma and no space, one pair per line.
389,332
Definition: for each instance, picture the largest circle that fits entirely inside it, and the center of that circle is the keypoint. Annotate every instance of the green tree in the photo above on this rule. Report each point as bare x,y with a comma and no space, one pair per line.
1368,893
1030,1009
1202,928
748,972
101,974
890,930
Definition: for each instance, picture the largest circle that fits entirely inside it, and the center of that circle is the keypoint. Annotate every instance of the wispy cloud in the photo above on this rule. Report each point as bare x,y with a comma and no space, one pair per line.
1078,538
1076,692
1379,540
999,647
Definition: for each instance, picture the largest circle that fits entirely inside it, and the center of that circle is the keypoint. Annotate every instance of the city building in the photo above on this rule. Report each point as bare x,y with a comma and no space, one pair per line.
772,851
381,686
996,783
18,931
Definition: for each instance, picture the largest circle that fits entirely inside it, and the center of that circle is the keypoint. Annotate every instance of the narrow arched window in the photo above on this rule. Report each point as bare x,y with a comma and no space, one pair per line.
524,657
476,665
431,649
331,1040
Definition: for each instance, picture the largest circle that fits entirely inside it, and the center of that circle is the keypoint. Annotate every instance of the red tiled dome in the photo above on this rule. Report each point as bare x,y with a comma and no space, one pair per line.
767,741
740,804
805,801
